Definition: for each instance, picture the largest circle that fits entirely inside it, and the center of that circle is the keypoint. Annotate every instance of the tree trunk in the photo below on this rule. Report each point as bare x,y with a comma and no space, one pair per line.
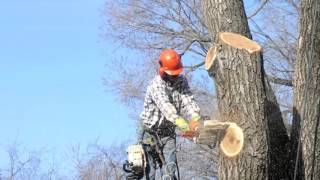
241,100
307,90
245,97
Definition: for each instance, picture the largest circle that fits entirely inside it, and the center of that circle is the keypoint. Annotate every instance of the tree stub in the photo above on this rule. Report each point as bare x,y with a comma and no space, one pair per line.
234,40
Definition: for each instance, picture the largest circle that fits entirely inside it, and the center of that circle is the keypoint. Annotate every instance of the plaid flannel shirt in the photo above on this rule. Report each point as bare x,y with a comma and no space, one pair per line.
166,101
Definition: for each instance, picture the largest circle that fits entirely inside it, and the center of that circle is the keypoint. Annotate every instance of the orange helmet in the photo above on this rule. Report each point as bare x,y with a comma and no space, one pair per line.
170,63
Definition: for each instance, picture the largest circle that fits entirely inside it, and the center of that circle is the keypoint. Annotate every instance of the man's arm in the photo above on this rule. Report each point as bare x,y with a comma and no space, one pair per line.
161,99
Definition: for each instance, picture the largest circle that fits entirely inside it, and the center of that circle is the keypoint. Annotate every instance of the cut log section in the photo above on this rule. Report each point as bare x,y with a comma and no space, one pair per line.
232,142
240,42
230,134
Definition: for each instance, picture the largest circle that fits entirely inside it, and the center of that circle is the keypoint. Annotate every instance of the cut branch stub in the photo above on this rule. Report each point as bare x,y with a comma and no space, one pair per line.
211,55
234,40
240,42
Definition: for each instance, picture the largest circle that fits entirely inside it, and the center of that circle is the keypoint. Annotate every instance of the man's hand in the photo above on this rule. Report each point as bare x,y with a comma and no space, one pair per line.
194,123
182,124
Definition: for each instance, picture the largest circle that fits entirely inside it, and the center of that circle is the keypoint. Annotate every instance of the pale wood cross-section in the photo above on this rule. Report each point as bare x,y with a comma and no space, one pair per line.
240,42
230,134
234,40
211,56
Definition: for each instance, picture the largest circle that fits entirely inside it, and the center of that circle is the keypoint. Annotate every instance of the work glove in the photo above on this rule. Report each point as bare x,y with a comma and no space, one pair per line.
194,123
189,134
182,124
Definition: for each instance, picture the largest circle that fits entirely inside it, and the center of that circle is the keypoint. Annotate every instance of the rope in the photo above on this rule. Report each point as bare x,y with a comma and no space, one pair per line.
315,145
178,172
297,158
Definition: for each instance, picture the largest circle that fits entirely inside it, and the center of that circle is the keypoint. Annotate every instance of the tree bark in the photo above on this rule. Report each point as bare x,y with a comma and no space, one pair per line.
245,97
307,92
241,100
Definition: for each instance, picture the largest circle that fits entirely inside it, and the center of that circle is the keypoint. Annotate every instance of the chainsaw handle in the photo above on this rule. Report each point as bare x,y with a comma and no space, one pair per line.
126,167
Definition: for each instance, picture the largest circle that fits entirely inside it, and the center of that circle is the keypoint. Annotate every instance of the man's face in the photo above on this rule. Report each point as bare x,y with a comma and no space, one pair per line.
171,78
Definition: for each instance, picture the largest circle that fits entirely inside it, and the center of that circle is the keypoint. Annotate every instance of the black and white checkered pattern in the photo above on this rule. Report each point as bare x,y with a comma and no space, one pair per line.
166,101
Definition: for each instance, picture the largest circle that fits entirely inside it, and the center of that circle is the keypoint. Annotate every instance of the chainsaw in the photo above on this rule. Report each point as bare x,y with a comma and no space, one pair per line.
137,158
136,163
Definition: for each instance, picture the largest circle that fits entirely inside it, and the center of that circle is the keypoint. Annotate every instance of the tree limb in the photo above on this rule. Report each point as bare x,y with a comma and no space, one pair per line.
258,9
275,80
194,67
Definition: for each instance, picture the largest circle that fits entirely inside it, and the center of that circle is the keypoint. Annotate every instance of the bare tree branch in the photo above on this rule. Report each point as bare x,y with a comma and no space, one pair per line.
194,67
276,80
258,9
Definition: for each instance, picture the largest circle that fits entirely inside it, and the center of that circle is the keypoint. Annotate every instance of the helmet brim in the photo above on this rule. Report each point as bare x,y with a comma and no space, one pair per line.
174,72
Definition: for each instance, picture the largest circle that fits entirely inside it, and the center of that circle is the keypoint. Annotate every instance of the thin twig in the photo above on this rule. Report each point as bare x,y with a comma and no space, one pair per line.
194,67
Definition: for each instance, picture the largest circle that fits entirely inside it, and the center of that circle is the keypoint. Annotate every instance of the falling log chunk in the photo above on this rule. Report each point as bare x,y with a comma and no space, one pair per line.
233,140
230,134
210,125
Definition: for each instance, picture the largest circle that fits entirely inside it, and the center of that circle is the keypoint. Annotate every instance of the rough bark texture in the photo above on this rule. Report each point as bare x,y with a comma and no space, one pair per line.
307,89
246,98
241,100
226,16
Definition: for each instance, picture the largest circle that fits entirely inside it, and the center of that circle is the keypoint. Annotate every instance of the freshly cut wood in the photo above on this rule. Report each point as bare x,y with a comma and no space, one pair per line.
232,142
240,42
234,40
230,134
210,57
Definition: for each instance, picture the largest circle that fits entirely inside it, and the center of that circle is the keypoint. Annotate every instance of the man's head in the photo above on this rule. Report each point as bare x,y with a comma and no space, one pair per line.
170,63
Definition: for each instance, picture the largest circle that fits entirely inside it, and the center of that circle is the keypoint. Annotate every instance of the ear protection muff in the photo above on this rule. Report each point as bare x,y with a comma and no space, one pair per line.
161,70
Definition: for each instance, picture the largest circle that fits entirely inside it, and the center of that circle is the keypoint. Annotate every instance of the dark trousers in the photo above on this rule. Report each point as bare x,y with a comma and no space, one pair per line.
169,168
166,137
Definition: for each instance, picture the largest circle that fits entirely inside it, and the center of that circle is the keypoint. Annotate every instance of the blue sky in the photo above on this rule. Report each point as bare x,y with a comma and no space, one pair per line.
51,67
52,60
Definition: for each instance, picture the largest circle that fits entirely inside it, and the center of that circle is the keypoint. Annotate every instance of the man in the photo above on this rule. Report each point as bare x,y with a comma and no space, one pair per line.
168,100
